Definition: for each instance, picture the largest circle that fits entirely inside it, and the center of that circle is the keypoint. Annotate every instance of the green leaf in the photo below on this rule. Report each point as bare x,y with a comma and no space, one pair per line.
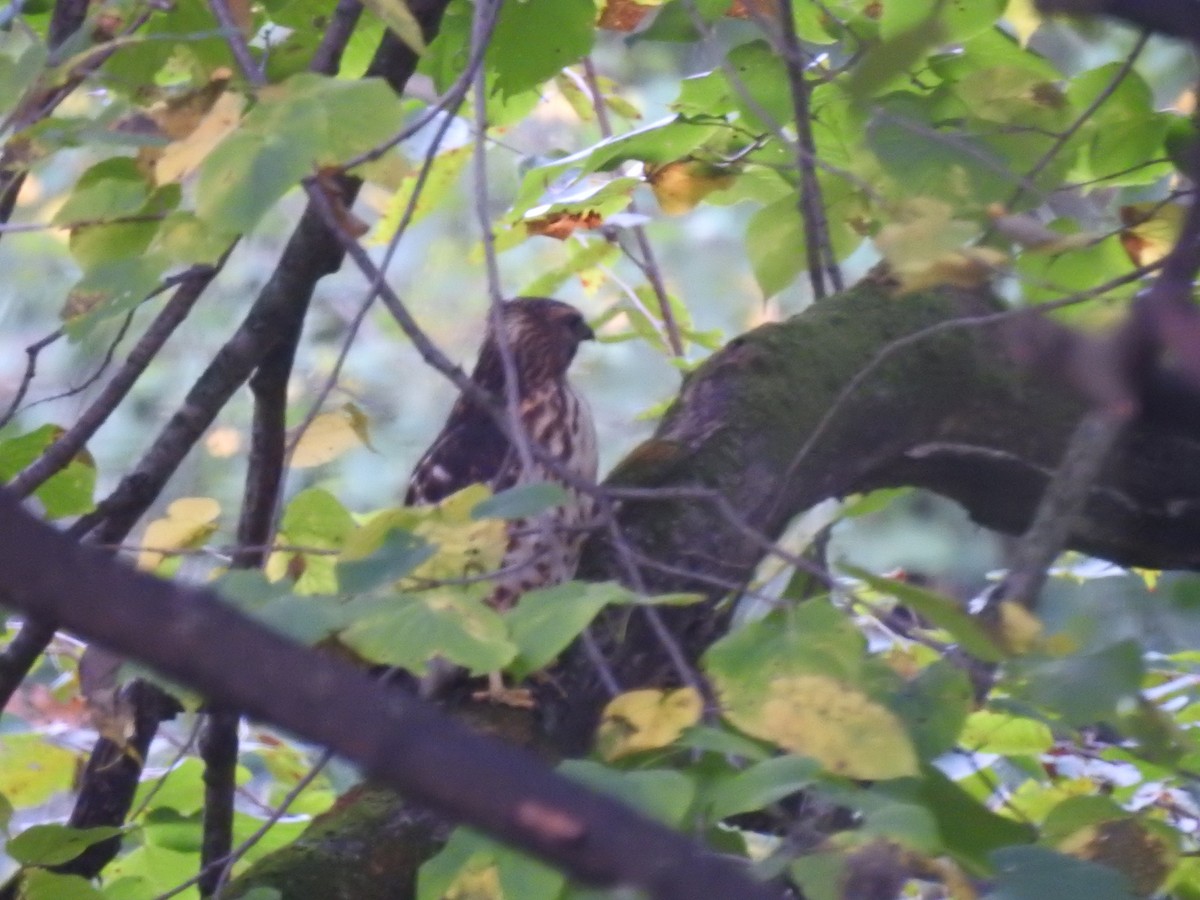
306,122
181,789
821,875
952,22
107,190
400,20
1086,688
517,874
895,810
316,516
409,631
663,794
248,173
801,678
1075,813
584,257
39,884
69,491
934,706
970,831
522,501
147,871
1035,873
22,57
942,611
166,827
400,553
1048,277
545,621
674,21
566,32
442,178
1008,735
115,281
775,242
52,845
34,769
762,784
185,239
724,742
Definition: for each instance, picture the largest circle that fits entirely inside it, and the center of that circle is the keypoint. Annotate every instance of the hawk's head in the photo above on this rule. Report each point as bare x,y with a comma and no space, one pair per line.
543,335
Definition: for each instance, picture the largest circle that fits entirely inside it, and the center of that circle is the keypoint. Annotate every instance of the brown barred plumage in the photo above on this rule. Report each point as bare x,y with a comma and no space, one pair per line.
543,550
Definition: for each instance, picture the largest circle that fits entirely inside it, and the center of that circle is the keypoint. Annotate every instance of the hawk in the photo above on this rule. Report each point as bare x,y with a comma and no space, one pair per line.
543,336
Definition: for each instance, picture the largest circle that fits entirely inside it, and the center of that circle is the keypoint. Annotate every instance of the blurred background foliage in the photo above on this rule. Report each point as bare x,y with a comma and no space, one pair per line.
712,258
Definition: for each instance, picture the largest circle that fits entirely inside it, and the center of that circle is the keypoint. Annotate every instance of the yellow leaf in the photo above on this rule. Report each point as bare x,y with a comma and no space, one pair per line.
1151,230
1024,18
185,155
476,883
926,246
1149,577
330,435
34,769
646,720
189,521
399,18
465,546
834,723
679,186
1017,628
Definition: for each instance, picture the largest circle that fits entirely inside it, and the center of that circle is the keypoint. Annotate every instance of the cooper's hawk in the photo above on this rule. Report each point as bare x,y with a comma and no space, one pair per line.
543,549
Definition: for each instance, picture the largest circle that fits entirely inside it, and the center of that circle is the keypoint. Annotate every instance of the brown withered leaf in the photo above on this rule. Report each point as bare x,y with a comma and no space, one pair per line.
80,302
1150,231
350,223
178,116
752,9
623,15
562,225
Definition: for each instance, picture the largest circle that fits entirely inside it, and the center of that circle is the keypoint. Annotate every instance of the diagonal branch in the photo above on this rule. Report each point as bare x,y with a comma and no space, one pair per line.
817,244
191,636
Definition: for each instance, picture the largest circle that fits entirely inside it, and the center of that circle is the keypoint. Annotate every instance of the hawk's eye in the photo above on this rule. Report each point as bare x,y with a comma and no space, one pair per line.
578,327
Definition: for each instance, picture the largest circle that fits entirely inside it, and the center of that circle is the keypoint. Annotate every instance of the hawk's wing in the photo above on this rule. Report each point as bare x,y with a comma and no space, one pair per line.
470,449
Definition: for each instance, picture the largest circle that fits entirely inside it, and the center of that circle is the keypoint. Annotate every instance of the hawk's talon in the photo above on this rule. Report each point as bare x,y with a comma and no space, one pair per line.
496,692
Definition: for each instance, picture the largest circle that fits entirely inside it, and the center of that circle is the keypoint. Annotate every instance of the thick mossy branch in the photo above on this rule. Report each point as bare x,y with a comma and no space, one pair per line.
862,391
921,390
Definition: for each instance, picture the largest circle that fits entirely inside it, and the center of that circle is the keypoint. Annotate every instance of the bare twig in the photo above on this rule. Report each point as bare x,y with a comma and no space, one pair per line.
1061,141
31,352
109,353
40,101
237,43
1061,504
817,243
328,56
65,448
646,260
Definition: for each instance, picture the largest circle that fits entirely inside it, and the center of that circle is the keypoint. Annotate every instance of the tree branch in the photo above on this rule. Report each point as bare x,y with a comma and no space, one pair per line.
190,636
